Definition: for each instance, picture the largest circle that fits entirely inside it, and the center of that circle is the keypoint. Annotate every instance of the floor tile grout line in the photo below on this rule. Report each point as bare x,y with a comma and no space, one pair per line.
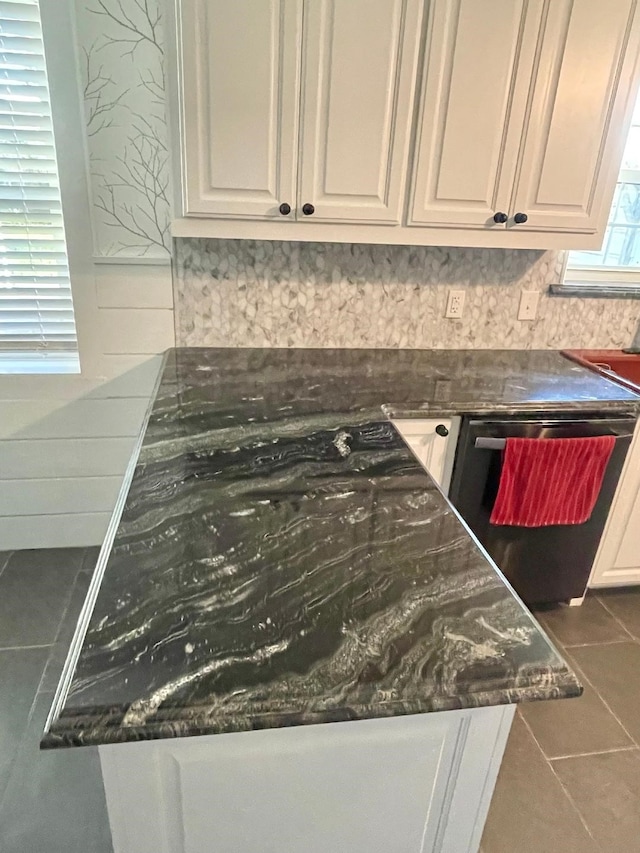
582,676
14,761
9,555
563,786
607,705
550,630
96,550
63,617
619,621
17,647
39,691
632,748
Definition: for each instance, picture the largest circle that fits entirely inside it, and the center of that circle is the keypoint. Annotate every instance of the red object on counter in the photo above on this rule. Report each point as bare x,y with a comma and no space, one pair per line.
549,481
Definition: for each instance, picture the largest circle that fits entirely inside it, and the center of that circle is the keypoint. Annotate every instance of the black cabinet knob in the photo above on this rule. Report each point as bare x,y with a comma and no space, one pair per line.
285,209
520,218
442,430
500,218
308,209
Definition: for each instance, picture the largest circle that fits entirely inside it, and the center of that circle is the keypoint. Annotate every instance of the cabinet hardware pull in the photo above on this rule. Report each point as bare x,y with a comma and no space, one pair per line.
285,209
520,218
442,430
500,218
308,209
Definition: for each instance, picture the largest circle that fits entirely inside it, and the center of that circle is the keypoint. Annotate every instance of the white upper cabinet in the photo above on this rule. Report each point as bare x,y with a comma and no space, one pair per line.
552,85
581,97
428,122
243,88
479,60
360,62
240,91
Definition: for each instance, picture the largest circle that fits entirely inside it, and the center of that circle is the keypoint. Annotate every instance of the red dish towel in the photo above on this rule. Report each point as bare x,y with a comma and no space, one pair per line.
547,481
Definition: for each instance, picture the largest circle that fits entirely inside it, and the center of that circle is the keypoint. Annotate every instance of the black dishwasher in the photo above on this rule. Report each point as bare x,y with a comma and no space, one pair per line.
543,564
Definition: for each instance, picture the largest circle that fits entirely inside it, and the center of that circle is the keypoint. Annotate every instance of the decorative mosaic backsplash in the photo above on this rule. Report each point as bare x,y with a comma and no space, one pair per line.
240,293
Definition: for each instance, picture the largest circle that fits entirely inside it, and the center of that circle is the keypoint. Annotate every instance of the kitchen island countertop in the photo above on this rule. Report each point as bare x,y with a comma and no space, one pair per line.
280,558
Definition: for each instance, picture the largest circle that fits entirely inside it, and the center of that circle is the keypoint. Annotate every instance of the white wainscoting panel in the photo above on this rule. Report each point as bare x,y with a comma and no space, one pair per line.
69,530
65,441
34,459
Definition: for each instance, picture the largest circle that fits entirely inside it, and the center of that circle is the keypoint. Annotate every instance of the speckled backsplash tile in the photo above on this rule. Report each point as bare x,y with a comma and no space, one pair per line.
241,293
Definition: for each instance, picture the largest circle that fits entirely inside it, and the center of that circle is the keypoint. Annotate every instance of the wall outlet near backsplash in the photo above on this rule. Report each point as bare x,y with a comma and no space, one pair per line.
244,293
455,304
528,309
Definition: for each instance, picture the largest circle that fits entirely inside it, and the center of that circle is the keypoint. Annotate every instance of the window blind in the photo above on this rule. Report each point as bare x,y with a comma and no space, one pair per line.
36,310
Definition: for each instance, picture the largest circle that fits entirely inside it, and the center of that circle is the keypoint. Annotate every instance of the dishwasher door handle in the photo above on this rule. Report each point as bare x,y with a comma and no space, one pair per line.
490,443
499,443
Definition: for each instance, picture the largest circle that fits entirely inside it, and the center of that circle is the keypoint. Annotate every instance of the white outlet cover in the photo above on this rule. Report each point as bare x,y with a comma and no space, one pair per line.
455,304
528,309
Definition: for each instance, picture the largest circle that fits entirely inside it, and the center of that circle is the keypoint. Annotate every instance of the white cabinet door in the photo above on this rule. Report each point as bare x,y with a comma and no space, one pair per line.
582,98
479,58
240,84
617,562
434,444
360,60
408,784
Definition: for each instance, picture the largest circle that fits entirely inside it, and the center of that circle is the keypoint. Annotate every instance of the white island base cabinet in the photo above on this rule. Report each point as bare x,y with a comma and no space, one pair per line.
411,784
433,443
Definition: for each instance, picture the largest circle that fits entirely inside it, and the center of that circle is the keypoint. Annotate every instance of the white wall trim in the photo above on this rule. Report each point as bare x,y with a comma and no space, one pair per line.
389,235
66,440
118,260
60,42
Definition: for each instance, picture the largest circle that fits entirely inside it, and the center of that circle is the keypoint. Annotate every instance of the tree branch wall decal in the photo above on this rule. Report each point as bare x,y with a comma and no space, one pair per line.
140,24
124,93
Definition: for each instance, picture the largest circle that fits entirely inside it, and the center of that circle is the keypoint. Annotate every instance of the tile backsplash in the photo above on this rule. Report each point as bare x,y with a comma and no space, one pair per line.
240,293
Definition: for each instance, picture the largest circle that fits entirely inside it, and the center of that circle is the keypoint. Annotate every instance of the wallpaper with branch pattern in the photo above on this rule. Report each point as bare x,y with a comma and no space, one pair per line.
122,56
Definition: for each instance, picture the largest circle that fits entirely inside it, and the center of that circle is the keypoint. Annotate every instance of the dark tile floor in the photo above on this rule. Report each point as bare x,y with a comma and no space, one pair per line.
50,802
570,779
569,783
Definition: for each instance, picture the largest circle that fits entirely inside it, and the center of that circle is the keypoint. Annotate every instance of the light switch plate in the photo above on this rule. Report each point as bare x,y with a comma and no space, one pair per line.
528,309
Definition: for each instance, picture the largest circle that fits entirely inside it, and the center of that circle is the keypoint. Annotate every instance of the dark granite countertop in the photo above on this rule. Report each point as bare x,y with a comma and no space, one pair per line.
282,559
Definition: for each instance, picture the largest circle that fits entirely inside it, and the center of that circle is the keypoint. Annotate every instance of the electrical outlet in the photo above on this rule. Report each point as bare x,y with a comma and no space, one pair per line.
442,391
455,304
528,309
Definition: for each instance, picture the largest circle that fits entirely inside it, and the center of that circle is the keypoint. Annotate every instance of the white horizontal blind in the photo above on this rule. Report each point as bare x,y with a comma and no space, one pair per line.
36,310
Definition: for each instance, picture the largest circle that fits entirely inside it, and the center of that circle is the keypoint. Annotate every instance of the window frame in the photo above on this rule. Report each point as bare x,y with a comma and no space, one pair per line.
611,282
600,280
67,113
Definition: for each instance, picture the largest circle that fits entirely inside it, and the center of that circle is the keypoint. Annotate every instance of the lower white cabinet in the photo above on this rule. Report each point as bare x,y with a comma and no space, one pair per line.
617,562
407,784
434,443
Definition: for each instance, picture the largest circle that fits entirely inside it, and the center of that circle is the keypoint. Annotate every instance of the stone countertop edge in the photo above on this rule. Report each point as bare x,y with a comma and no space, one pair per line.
583,407
198,725
105,727
86,612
